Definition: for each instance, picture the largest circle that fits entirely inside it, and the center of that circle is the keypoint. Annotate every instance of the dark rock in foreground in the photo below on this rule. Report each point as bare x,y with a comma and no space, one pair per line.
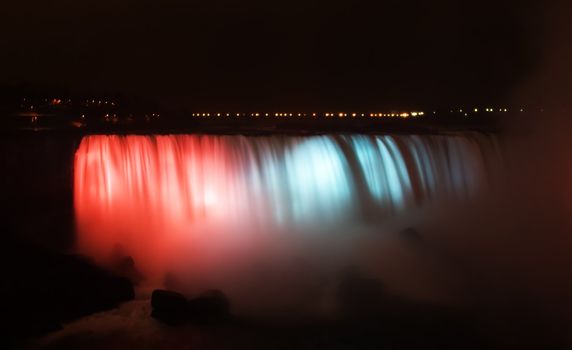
173,308
359,296
412,235
124,265
210,306
169,307
39,290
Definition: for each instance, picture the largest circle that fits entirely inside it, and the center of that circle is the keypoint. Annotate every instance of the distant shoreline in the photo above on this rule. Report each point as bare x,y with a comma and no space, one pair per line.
268,128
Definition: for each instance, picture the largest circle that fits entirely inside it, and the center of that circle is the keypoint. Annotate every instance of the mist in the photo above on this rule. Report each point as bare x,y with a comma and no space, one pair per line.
514,242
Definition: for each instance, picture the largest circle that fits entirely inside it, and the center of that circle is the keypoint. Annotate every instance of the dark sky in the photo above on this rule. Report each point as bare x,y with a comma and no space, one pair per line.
257,54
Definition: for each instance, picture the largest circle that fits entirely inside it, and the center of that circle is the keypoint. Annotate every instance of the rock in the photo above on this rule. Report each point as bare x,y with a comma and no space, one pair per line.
47,289
124,265
173,308
211,306
82,288
358,296
411,234
169,307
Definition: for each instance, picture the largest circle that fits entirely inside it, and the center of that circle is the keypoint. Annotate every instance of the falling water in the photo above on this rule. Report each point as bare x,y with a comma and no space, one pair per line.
150,192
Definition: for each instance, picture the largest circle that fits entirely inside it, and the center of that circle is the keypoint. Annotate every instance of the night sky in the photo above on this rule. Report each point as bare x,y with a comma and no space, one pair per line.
260,54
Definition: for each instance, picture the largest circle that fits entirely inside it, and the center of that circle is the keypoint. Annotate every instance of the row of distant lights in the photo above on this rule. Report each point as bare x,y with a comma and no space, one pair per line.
476,110
114,116
100,102
340,115
56,101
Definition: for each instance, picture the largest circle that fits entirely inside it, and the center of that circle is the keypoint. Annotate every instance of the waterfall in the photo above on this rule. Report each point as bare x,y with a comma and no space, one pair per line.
144,191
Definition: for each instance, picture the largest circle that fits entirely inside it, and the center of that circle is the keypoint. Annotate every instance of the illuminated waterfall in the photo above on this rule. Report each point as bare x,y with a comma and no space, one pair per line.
145,192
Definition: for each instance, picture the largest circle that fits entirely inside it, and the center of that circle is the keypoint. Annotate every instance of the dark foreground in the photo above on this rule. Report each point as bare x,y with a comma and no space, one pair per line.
130,326
57,301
